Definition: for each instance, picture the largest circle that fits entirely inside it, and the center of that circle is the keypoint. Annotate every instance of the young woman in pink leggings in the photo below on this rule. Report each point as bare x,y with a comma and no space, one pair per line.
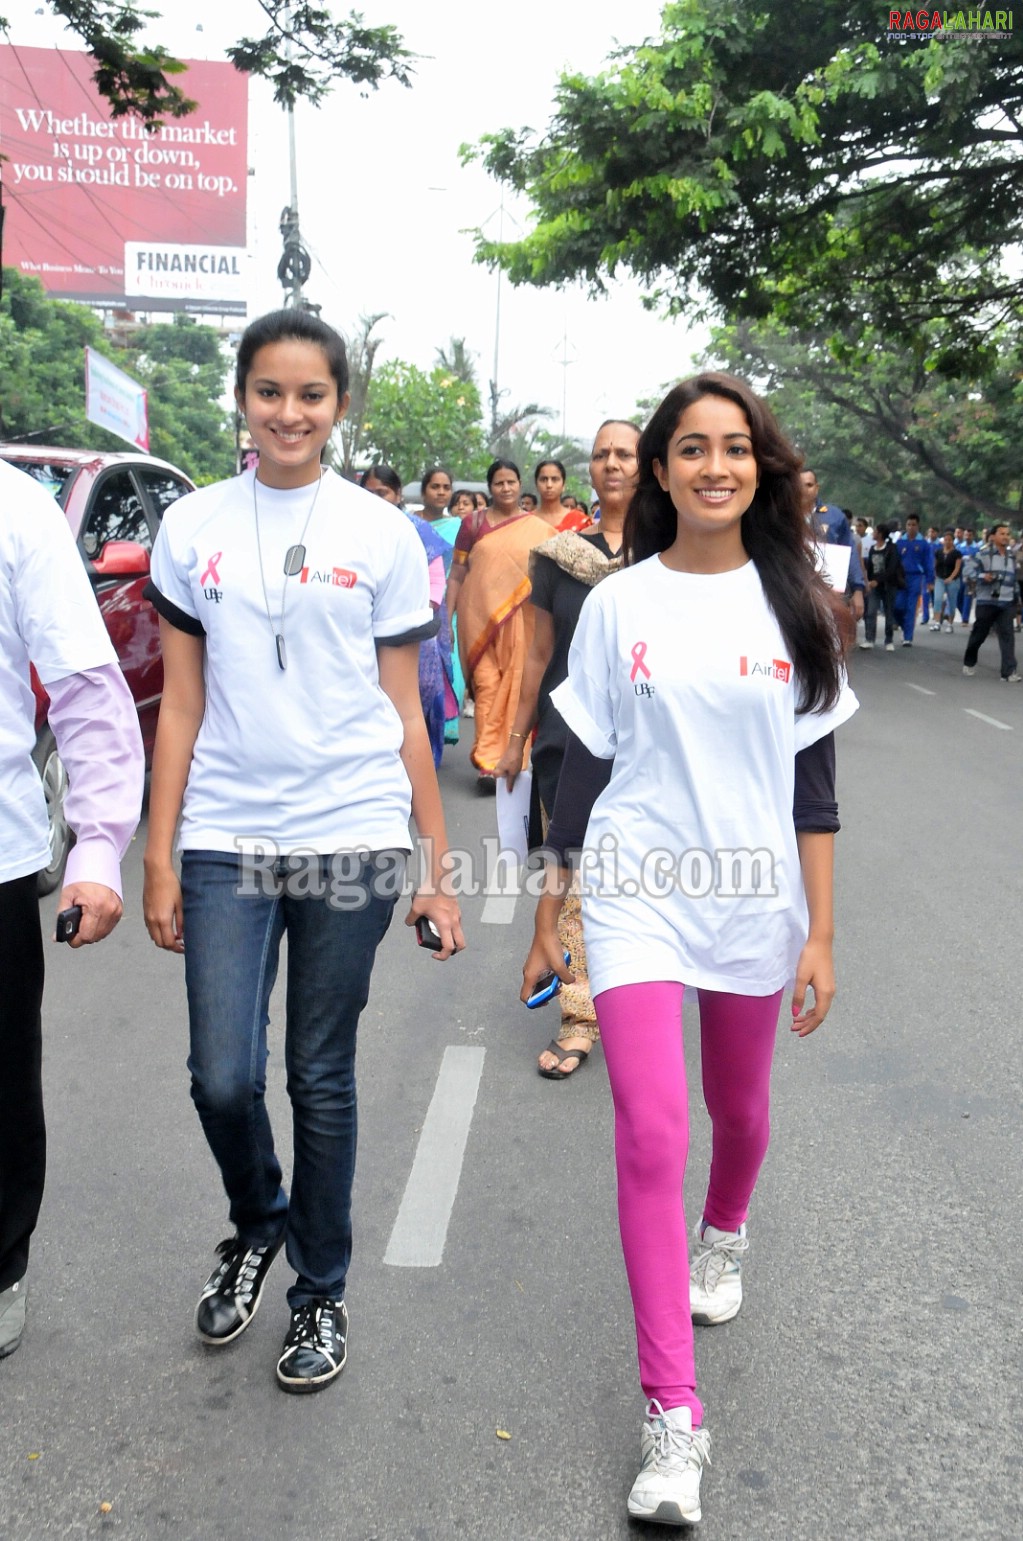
698,796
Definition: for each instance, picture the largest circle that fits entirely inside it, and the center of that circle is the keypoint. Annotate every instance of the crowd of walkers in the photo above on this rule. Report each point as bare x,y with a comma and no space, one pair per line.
674,660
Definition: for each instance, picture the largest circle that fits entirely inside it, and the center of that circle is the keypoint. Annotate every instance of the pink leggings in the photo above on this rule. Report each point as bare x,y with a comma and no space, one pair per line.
641,1030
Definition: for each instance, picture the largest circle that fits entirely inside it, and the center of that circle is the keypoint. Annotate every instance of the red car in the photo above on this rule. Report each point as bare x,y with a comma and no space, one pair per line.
114,504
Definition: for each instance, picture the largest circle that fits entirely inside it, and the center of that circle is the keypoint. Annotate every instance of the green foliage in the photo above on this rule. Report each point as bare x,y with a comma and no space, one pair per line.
42,380
776,157
302,53
416,419
886,434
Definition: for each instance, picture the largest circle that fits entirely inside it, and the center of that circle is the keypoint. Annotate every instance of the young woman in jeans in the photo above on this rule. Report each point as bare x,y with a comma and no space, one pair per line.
292,745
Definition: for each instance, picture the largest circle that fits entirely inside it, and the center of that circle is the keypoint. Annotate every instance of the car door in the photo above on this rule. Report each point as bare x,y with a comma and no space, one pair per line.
116,537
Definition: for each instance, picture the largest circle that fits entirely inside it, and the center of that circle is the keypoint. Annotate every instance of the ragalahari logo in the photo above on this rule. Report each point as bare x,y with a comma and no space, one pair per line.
950,24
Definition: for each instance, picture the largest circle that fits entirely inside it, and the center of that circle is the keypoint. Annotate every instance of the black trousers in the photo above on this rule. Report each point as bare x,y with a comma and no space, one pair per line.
22,1130
999,617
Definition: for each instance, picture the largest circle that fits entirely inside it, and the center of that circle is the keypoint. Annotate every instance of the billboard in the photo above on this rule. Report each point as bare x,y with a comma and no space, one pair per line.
101,211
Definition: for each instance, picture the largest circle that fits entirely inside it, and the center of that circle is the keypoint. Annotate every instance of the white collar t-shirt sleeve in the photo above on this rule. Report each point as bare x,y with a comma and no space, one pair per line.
307,757
691,868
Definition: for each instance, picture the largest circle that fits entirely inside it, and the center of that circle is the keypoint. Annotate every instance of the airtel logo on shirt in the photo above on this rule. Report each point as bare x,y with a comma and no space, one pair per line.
771,668
336,577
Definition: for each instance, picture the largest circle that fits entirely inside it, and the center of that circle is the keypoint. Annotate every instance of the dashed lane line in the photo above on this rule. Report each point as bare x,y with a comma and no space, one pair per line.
921,689
421,1228
993,722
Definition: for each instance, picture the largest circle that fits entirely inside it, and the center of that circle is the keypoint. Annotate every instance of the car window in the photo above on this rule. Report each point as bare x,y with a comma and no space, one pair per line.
116,512
163,488
53,477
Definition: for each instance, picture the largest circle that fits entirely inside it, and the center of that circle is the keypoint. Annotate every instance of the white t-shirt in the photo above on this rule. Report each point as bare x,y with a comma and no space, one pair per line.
307,756
684,679
48,614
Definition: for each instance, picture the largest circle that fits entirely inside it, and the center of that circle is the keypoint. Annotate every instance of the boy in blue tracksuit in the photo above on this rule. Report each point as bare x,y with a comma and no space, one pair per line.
918,564
967,548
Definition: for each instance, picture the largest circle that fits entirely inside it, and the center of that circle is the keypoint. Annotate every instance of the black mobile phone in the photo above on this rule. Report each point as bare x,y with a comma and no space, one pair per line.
427,934
68,922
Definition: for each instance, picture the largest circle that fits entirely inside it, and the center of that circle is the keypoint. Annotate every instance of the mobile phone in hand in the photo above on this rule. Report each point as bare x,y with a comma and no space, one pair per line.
427,934
68,922
546,987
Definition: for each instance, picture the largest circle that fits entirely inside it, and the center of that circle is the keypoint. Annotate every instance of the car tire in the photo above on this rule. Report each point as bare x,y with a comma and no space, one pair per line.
54,778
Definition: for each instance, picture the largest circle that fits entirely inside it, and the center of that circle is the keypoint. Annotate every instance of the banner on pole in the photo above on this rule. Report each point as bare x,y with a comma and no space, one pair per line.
115,401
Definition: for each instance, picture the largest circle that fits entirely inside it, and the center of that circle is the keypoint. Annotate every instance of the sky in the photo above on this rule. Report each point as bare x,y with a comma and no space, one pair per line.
386,206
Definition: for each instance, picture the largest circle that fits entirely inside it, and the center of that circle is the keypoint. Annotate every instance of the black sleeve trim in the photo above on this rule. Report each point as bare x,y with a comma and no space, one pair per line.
583,777
417,634
171,612
814,807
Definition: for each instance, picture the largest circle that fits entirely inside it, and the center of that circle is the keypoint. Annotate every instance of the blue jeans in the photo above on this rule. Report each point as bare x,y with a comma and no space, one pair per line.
233,928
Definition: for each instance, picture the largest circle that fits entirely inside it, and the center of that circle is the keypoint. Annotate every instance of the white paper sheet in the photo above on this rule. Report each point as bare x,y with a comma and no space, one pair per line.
834,564
513,814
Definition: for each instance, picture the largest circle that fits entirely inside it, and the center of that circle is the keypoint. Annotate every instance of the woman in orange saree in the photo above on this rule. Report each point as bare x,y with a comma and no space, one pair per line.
489,585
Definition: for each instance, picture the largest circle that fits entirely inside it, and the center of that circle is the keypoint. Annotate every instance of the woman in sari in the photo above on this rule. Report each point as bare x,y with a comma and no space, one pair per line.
489,587
444,511
385,483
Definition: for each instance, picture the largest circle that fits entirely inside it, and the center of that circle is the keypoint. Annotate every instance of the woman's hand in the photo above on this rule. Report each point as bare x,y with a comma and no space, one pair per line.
447,918
510,764
546,954
816,969
162,908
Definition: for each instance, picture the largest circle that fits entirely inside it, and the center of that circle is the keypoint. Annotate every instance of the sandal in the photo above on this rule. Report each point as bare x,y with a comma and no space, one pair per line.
555,1073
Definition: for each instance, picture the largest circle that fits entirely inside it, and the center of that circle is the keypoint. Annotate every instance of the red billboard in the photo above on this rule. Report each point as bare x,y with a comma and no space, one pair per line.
103,212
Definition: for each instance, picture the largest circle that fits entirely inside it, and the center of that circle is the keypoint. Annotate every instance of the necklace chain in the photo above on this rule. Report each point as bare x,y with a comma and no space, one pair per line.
278,633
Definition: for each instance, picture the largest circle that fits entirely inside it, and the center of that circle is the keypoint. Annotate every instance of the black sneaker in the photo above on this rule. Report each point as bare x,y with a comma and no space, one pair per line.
230,1297
316,1347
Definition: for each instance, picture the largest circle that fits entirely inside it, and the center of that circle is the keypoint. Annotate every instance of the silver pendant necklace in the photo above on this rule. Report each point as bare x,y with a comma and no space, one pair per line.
294,561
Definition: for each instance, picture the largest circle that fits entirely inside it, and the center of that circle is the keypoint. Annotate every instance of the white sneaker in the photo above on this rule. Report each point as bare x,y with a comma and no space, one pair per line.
935,626
673,1455
715,1274
865,646
968,670
889,647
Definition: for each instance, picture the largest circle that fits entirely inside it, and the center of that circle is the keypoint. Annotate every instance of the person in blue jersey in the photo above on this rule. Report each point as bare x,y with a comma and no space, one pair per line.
917,557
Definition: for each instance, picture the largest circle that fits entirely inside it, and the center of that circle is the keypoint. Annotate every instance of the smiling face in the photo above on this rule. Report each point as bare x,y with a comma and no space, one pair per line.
709,471
291,405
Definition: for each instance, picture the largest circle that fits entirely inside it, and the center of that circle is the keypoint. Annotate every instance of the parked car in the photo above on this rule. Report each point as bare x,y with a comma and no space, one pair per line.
114,504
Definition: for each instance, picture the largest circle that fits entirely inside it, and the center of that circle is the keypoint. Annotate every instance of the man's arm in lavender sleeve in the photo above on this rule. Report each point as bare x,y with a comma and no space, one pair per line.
94,721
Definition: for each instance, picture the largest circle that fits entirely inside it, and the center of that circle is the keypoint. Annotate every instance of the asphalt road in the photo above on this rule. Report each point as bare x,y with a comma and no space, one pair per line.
870,1386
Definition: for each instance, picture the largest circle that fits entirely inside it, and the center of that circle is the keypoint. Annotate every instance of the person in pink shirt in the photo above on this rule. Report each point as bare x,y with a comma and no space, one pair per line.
48,615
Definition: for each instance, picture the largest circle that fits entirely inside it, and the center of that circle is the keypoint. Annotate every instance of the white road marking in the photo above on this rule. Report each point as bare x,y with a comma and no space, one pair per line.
921,689
1006,727
421,1229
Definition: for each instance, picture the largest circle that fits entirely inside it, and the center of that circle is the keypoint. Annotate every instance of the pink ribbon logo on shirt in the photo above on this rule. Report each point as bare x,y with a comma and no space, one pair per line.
638,666
211,572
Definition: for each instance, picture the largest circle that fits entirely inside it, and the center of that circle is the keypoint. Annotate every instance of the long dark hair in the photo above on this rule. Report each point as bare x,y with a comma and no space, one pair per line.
813,619
385,474
292,325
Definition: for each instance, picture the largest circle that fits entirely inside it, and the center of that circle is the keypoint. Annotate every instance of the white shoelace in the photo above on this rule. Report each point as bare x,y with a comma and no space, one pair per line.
714,1257
674,1450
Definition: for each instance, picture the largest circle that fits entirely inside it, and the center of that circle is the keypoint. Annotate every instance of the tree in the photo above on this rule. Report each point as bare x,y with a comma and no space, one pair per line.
362,351
775,157
885,433
303,51
417,419
42,380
